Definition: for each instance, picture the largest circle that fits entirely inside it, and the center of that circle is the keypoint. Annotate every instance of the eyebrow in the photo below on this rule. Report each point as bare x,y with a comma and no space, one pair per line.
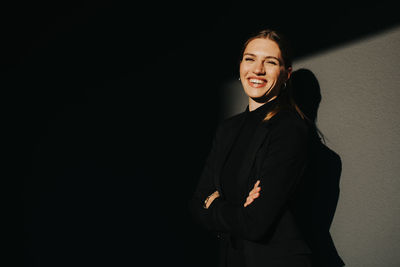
250,54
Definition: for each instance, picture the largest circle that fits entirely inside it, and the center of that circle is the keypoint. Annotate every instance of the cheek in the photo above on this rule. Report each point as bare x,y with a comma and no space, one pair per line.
274,73
245,67
242,69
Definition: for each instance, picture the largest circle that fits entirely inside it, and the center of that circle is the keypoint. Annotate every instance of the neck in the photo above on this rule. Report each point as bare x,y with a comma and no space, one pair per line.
254,104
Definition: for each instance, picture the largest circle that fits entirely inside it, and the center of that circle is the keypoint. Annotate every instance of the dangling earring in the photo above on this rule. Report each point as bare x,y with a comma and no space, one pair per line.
239,79
284,85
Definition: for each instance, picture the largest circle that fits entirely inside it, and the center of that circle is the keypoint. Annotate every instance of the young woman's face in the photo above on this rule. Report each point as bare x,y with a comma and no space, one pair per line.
262,71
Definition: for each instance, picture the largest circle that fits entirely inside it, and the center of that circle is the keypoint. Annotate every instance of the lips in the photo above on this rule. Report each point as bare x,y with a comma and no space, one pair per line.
256,82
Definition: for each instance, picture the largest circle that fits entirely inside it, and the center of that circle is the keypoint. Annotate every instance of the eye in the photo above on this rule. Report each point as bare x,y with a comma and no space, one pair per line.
248,59
272,62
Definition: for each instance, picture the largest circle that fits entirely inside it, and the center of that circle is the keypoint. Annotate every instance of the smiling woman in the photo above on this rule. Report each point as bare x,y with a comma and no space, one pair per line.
256,162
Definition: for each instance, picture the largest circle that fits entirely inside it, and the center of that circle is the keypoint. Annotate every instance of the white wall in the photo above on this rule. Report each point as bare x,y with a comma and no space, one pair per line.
360,116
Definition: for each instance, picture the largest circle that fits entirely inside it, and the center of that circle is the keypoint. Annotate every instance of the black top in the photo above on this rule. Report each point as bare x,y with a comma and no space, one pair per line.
235,256
233,162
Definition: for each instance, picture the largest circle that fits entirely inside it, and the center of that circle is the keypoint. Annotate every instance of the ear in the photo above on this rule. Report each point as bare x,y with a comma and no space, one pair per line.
288,72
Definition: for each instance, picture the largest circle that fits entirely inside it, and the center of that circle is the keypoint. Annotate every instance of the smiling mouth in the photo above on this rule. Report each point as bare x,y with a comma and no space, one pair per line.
257,83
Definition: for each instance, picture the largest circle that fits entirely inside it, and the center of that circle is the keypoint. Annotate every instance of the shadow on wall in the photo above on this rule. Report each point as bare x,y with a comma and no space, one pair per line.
317,197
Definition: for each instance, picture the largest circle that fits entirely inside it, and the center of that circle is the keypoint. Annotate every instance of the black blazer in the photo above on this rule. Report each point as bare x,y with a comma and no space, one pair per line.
277,156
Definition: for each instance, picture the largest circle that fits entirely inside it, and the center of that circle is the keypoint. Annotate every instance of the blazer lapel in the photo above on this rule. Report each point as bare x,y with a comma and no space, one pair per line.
250,155
229,138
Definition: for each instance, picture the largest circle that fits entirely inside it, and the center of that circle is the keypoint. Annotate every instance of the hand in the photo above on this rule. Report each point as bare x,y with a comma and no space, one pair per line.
210,199
254,193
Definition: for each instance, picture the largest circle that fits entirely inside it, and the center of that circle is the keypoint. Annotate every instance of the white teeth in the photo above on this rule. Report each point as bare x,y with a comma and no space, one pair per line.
256,81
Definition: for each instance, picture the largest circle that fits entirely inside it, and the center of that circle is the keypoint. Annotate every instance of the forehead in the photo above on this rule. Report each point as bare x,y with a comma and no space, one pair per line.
263,47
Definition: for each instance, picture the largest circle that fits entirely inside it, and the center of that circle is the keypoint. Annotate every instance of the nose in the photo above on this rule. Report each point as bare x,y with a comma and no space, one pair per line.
259,68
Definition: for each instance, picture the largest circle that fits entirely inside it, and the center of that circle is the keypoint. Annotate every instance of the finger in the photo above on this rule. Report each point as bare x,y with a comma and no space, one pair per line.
252,198
255,190
256,187
248,202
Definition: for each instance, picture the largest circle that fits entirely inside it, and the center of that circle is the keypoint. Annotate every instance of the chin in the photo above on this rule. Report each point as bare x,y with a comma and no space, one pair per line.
256,94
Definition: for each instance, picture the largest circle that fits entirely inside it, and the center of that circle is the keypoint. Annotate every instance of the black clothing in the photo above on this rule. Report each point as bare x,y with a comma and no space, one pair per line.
242,142
275,153
229,185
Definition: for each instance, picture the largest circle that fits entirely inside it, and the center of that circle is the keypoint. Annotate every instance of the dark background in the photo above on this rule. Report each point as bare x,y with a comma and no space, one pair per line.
116,107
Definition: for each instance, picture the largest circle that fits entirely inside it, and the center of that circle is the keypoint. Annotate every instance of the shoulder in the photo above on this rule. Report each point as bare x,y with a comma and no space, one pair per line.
288,121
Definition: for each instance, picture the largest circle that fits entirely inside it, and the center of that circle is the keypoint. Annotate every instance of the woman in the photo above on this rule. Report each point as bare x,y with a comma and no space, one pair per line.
256,161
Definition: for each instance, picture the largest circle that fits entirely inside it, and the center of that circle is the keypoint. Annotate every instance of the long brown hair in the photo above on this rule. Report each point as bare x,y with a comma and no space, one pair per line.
285,98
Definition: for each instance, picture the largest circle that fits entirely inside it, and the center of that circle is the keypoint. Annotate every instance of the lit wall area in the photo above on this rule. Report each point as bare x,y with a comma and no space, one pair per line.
359,115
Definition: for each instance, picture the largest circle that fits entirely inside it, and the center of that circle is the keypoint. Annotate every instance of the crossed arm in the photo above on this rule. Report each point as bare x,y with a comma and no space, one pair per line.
283,160
253,194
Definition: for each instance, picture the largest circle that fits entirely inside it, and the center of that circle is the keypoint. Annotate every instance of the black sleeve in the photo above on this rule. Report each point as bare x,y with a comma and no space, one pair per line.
205,187
284,158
